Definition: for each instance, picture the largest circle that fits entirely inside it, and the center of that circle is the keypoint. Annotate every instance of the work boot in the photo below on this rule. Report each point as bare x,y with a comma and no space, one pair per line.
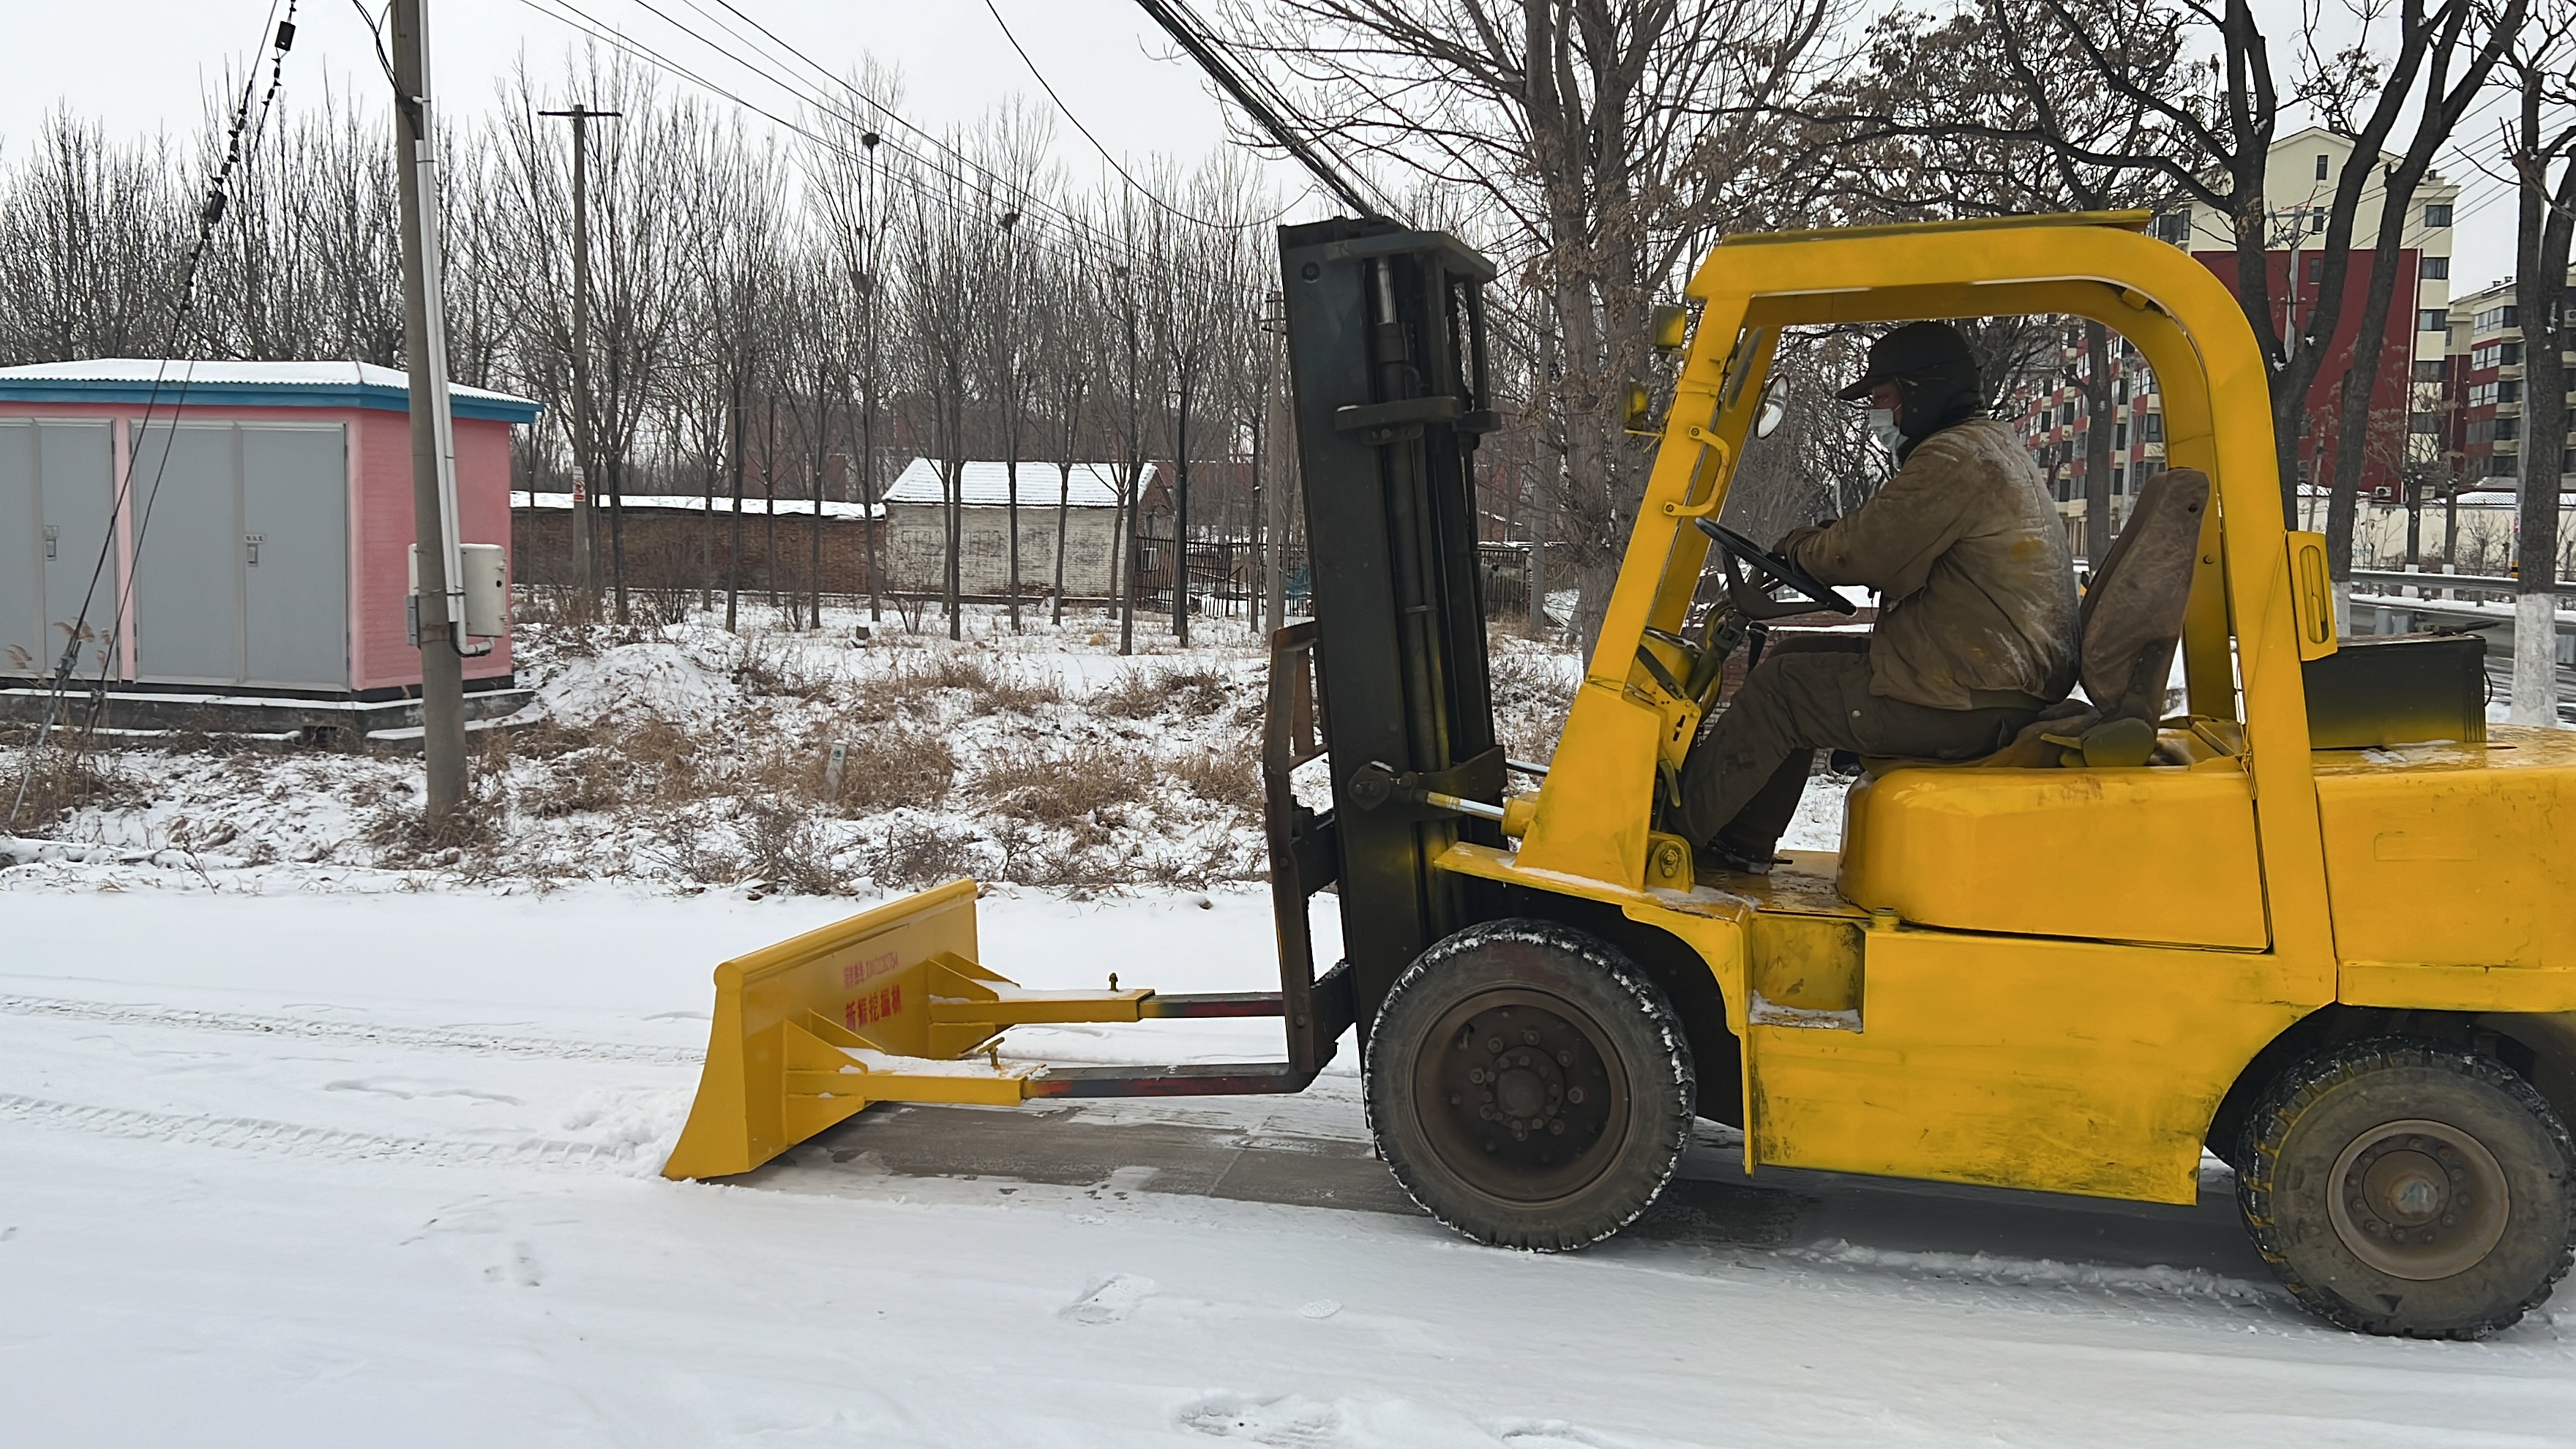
1731,856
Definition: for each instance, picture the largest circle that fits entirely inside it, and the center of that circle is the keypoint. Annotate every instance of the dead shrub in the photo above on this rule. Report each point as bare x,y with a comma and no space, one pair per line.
1067,789
576,784
1225,776
915,852
887,768
1531,696
65,778
787,847
1190,691
765,667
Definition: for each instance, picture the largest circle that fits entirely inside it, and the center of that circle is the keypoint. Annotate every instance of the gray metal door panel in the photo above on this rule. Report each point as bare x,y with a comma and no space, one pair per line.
22,555
187,596
76,469
294,553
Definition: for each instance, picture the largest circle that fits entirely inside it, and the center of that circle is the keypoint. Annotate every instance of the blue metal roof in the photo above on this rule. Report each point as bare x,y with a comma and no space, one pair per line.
246,384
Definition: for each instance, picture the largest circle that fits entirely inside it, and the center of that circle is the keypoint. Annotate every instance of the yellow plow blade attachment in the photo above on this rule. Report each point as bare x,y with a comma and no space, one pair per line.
891,1005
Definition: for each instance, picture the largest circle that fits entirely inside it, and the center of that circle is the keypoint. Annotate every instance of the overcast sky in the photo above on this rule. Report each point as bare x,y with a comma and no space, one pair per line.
139,65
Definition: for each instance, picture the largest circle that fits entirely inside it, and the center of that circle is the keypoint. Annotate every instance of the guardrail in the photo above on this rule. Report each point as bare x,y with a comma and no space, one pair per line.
2468,583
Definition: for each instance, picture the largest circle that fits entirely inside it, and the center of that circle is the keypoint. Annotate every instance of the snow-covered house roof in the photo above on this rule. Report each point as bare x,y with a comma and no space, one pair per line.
699,503
244,384
987,485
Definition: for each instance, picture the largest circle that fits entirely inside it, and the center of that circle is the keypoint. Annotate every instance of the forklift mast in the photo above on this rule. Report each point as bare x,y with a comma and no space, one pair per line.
1386,350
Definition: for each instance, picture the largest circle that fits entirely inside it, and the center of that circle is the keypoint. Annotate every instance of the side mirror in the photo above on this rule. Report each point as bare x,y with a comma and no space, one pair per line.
1671,326
1636,408
1767,418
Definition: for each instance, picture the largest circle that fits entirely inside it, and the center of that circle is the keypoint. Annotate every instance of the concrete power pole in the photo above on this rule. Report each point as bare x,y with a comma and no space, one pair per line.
585,569
438,606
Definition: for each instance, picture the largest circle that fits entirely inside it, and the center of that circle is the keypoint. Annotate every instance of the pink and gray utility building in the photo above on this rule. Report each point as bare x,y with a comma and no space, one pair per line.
262,548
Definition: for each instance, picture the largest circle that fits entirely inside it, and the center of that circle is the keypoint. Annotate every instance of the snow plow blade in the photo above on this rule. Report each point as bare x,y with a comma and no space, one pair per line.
891,1005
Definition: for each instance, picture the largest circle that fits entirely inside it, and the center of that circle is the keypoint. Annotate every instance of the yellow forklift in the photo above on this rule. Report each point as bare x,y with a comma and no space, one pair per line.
2320,921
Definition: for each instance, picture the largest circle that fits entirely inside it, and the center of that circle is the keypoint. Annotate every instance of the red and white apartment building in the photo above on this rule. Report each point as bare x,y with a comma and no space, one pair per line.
2411,397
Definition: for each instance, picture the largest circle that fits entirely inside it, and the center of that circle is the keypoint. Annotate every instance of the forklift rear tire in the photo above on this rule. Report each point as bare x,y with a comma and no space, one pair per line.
2410,1188
1530,1086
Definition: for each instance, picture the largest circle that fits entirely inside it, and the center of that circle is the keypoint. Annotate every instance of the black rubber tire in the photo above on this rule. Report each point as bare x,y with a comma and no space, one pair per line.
1606,1057
2312,1141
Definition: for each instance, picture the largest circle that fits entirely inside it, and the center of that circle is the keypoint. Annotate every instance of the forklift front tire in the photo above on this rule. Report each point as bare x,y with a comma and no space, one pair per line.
2410,1188
1529,1085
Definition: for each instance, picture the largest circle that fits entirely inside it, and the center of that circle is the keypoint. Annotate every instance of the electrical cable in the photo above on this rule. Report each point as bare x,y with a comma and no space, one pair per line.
1139,187
210,214
1072,232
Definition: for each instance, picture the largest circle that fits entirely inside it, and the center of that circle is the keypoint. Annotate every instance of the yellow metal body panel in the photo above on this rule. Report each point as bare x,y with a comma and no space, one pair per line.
2450,867
2073,1066
2162,854
875,1008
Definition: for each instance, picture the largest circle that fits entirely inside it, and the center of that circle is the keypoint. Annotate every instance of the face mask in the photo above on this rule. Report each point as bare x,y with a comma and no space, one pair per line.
1882,426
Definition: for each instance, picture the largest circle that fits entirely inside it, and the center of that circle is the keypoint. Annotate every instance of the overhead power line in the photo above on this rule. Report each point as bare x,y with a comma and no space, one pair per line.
1074,238
1137,186
1187,34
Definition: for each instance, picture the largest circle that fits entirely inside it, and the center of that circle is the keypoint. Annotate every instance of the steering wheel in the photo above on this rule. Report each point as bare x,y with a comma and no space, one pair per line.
1778,570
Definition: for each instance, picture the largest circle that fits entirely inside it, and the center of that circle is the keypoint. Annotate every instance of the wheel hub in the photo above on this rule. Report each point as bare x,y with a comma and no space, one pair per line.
1519,1094
2418,1200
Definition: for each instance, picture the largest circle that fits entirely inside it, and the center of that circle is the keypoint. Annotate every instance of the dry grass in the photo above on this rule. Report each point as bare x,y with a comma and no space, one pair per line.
885,768
765,667
66,778
1196,692
1081,787
786,846
918,853
1226,776
914,685
1531,697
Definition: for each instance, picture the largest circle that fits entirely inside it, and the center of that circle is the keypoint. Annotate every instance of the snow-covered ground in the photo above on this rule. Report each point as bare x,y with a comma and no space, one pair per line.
334,1168
689,757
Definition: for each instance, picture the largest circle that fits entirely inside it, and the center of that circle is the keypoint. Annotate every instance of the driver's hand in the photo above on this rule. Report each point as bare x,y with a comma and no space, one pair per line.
1787,547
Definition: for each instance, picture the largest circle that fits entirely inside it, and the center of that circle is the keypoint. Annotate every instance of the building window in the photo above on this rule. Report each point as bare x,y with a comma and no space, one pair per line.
2507,429
2436,269
2431,319
2508,354
2437,214
2500,465
2317,219
2151,427
2495,318
2119,435
2508,391
2482,395
2321,167
2316,267
2425,423
2119,482
2432,369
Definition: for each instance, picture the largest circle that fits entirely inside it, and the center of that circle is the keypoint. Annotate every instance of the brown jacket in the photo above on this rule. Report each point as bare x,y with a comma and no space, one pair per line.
1976,584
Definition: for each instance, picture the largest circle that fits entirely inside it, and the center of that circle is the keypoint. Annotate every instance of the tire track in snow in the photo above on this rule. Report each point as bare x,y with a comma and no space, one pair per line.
419,1038
254,1134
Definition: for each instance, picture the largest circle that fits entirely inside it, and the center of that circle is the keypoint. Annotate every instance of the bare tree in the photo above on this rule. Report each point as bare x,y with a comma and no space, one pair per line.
2540,141
1601,143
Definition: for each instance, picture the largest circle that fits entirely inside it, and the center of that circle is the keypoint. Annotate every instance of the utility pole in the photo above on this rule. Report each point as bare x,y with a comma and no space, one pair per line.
438,604
585,572
1274,498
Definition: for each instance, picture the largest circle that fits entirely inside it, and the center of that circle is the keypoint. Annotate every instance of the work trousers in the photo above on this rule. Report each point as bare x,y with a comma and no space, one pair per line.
1742,782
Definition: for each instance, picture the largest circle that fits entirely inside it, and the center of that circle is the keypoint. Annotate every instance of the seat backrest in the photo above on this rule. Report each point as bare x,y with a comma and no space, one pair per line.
2132,616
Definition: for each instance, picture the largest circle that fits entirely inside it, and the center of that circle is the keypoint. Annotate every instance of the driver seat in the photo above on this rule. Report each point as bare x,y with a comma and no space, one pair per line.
2128,628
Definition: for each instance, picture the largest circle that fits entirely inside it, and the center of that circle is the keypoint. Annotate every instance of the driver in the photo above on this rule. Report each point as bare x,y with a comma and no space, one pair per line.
1976,630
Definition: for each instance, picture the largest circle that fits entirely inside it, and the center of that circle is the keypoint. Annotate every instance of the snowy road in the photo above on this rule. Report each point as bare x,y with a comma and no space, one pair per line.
335,1168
